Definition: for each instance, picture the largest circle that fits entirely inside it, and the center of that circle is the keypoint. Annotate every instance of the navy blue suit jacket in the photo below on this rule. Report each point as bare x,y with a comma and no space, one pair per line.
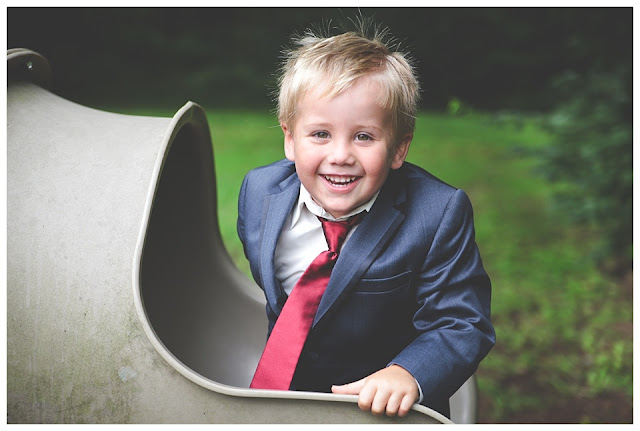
408,288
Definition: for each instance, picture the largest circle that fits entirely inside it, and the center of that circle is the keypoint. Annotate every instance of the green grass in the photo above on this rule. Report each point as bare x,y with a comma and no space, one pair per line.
241,141
555,315
563,329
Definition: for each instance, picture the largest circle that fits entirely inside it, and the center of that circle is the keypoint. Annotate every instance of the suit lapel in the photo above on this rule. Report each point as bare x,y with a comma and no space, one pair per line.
365,244
275,211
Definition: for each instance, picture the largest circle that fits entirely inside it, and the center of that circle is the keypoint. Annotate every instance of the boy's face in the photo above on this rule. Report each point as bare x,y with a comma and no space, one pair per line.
343,146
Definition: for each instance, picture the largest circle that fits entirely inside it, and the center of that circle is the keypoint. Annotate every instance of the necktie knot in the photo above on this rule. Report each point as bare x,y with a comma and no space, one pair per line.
335,232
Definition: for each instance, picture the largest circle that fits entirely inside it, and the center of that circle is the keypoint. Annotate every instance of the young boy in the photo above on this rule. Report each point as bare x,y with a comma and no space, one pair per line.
402,315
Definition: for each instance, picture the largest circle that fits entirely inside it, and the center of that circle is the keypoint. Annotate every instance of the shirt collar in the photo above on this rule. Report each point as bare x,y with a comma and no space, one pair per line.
305,200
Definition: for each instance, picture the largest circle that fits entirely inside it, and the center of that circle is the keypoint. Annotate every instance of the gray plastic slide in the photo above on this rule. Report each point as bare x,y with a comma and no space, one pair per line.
123,305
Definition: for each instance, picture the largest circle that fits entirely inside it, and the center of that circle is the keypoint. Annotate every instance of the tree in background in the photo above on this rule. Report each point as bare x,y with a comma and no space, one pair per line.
591,158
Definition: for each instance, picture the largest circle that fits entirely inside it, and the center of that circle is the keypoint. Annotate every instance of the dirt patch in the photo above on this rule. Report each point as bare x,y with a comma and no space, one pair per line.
613,408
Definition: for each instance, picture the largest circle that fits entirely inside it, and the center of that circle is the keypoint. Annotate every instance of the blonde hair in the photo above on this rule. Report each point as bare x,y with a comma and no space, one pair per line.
336,62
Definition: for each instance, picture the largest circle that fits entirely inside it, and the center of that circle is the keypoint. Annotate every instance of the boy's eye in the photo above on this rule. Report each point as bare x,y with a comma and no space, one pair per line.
321,135
362,137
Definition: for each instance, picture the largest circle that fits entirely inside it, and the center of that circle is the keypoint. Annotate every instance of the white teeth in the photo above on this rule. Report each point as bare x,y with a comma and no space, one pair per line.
339,180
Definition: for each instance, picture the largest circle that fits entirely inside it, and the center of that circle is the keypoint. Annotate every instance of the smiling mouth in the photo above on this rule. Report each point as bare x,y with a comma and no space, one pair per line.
340,181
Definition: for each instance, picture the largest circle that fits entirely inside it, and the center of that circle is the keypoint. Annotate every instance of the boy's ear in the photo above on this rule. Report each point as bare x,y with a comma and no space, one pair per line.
288,142
401,151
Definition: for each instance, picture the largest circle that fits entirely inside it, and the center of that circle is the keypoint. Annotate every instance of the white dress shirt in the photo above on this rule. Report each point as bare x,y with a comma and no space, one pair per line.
302,238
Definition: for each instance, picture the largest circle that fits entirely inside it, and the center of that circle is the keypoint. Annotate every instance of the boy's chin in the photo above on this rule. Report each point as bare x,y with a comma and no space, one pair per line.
338,206
338,212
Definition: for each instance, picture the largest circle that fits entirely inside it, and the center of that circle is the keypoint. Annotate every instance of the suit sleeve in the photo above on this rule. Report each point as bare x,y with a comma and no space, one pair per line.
454,295
240,225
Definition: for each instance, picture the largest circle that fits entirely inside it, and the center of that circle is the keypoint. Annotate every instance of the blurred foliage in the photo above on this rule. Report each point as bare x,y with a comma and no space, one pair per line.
490,58
591,159
454,106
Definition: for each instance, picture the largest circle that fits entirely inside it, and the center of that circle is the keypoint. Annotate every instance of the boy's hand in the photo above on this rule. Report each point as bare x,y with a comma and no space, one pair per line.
392,390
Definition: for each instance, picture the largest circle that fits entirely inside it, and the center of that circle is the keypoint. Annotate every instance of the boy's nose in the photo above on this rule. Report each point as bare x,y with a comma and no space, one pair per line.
341,153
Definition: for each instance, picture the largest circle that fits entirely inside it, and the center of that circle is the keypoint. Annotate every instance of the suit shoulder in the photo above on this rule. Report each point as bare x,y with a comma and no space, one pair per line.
424,190
271,175
430,200
420,180
282,167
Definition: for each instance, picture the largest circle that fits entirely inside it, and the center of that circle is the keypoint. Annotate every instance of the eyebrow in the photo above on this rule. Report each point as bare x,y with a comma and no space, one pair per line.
327,125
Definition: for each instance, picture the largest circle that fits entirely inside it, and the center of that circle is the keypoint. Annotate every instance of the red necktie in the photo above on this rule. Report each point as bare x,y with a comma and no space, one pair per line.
280,356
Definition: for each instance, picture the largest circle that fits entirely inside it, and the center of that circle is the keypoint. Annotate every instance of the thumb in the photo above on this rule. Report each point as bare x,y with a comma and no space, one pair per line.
348,389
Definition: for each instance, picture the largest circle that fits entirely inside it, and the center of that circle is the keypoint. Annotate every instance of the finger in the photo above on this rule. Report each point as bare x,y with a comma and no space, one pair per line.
366,397
405,405
379,404
393,404
353,388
